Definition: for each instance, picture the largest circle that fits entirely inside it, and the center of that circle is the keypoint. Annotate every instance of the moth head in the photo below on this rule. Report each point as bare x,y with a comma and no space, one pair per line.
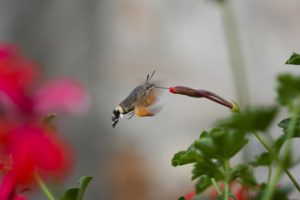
116,114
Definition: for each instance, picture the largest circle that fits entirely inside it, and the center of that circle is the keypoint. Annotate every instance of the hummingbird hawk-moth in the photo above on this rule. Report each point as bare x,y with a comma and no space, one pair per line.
137,102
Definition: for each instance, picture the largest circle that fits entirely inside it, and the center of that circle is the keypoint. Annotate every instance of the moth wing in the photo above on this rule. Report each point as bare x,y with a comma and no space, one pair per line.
150,99
142,111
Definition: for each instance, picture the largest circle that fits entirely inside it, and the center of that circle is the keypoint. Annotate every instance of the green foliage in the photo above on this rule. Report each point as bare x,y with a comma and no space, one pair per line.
288,89
263,159
203,183
284,124
244,173
191,155
212,151
294,59
206,167
252,119
221,143
78,192
208,154
181,198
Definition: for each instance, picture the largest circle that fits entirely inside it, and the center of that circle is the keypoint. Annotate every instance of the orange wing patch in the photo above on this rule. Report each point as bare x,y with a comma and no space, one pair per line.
150,99
142,111
141,108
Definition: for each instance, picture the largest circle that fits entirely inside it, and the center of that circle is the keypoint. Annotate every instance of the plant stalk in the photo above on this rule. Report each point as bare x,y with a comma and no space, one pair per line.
291,129
227,180
44,187
214,183
269,174
235,53
236,59
277,160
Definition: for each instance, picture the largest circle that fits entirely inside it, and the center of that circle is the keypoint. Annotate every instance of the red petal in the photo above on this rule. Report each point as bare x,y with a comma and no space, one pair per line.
7,186
190,195
16,76
32,149
19,197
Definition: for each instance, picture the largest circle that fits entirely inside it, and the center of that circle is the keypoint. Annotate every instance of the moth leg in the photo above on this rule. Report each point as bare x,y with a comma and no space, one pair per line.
131,114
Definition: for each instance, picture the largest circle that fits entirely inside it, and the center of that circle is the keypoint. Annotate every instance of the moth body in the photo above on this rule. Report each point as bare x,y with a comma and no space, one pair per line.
136,102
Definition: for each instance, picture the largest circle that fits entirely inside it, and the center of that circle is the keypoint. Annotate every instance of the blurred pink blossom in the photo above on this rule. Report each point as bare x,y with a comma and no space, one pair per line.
28,150
8,189
36,149
17,74
27,146
190,195
61,95
19,88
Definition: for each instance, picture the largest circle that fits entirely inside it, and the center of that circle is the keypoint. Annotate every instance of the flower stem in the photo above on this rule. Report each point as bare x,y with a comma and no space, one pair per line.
214,183
269,173
236,59
44,187
291,129
277,160
227,180
235,52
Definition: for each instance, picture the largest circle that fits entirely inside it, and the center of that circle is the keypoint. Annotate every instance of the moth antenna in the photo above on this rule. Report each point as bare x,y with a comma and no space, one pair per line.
149,77
152,75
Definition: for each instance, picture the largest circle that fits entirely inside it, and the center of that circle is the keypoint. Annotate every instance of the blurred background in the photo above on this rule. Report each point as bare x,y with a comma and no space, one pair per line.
111,45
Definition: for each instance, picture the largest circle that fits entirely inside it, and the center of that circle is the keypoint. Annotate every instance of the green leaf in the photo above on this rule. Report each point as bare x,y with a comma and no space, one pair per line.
252,119
277,146
244,173
203,183
221,143
264,159
181,198
204,134
191,155
294,59
284,124
278,143
206,167
77,193
70,194
84,181
287,88
47,122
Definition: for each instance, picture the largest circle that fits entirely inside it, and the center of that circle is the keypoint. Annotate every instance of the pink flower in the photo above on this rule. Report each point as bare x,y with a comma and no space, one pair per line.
61,95
8,189
241,192
29,150
18,89
35,150
16,76
190,195
19,197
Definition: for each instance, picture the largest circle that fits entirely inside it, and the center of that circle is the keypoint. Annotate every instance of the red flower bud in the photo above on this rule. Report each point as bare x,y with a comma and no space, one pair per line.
202,94
172,90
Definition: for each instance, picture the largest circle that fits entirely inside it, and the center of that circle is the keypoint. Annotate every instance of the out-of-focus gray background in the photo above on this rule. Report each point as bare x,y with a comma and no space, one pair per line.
112,44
